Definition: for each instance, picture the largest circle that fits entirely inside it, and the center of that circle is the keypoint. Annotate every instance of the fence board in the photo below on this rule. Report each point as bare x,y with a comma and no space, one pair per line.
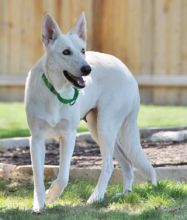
160,55
134,35
120,30
174,35
183,29
28,37
160,36
4,26
147,37
105,33
14,38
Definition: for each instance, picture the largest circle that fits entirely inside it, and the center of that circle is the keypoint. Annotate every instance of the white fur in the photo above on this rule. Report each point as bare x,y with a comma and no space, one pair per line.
112,95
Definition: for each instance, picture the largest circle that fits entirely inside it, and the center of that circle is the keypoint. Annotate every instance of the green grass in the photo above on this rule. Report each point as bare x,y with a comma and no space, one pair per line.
167,201
13,119
162,116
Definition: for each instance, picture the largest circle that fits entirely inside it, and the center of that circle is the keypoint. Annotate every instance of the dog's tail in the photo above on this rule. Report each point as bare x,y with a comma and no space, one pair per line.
129,142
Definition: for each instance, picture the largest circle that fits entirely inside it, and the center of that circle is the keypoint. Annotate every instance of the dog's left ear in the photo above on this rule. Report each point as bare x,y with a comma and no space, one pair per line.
80,27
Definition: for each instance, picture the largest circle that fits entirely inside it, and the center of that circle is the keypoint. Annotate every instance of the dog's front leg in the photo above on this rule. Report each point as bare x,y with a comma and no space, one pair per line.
66,150
37,148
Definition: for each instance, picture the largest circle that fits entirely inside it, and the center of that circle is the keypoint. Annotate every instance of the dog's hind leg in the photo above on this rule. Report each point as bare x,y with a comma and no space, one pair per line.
126,168
107,130
129,140
66,150
125,164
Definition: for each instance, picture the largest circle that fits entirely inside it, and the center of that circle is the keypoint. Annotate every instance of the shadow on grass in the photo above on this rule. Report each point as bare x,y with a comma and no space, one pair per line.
78,213
80,190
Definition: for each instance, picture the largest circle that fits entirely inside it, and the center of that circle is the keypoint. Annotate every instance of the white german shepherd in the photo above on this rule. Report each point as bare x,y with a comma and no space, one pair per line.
68,84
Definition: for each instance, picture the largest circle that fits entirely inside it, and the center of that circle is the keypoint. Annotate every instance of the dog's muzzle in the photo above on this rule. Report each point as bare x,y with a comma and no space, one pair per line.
85,70
78,81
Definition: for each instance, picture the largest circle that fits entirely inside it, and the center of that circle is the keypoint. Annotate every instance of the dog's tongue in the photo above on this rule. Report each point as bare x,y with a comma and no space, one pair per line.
81,82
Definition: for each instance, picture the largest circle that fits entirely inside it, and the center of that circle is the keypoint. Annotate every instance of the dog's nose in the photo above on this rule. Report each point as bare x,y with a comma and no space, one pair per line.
85,70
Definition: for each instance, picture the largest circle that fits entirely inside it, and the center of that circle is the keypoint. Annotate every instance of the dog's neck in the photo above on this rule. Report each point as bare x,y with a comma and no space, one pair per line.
64,88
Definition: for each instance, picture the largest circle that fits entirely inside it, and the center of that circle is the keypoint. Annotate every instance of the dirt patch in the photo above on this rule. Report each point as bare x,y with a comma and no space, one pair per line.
87,154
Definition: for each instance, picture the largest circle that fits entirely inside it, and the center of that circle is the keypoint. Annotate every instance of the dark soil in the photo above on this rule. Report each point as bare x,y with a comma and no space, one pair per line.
87,154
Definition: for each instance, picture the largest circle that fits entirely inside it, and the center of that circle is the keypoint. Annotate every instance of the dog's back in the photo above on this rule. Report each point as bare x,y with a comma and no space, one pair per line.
110,83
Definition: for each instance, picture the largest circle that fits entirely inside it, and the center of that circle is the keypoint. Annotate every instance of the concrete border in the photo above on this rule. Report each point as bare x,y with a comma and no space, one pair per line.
24,173
8,143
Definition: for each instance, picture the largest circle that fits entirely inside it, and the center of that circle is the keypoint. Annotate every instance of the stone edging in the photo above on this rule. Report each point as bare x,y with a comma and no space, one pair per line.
24,173
148,132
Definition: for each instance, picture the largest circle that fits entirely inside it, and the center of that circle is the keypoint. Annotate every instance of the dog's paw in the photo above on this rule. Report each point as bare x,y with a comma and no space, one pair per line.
38,210
53,192
95,197
154,182
127,191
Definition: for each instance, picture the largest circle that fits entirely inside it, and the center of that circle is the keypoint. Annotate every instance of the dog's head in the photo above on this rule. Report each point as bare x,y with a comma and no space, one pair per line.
65,53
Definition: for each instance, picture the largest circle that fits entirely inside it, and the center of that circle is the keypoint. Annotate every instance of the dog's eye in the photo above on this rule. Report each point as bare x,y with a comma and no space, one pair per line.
83,51
66,52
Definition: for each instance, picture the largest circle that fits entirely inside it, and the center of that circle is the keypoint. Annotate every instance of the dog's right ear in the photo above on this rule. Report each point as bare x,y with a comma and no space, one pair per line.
50,30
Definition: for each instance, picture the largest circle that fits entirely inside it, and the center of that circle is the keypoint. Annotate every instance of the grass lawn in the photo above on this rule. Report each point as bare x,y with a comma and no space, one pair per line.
167,201
13,120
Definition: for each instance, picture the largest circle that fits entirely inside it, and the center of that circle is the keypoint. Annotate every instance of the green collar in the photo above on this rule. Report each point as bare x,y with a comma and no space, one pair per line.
59,97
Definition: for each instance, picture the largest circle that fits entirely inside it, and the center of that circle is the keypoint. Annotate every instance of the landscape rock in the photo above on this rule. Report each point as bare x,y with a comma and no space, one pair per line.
169,136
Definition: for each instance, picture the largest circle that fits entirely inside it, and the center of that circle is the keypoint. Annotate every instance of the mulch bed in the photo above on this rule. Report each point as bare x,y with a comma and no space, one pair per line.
87,154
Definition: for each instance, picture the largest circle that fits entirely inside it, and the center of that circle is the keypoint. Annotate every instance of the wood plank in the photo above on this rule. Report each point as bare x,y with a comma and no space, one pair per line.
28,37
65,16
147,37
162,80
174,36
4,26
170,92
14,36
49,6
105,34
183,37
120,29
39,11
134,35
160,48
161,8
147,44
97,15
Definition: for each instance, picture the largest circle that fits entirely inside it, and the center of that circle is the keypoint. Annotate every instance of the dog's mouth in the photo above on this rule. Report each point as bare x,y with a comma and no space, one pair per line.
75,80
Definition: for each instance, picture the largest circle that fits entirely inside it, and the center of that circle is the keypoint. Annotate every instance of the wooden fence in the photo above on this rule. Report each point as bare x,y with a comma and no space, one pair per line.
150,36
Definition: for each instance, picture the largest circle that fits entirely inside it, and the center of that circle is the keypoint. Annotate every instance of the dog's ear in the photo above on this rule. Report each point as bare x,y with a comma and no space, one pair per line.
50,30
80,27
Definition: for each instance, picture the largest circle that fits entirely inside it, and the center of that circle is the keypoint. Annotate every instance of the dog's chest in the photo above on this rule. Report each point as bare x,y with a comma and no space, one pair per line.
57,115
53,117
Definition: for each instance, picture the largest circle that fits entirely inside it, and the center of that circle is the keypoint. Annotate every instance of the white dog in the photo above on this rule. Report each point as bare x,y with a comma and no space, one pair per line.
68,84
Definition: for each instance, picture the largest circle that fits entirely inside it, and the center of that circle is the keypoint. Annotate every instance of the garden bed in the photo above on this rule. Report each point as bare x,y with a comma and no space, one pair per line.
87,154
